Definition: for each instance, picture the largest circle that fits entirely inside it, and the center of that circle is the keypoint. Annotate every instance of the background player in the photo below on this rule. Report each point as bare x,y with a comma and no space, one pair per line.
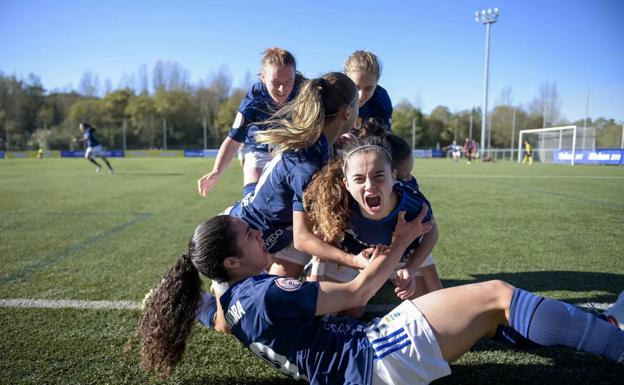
94,148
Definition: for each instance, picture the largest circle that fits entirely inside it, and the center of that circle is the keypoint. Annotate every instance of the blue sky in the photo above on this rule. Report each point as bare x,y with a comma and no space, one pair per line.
432,51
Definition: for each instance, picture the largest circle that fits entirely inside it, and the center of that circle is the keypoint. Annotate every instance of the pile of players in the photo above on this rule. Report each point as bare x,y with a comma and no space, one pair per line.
331,213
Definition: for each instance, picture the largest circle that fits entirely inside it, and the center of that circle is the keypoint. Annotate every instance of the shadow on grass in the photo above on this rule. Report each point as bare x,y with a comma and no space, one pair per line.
574,281
564,366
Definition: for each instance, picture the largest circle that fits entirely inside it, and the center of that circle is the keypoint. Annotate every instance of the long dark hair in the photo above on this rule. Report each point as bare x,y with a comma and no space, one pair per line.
171,310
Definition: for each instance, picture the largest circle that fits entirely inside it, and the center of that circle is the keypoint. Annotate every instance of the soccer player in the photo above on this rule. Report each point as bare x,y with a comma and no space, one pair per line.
355,202
455,150
305,130
279,83
285,321
364,68
94,148
528,153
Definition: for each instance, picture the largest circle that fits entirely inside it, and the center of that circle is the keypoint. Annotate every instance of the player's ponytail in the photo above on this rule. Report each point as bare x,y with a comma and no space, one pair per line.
300,123
171,310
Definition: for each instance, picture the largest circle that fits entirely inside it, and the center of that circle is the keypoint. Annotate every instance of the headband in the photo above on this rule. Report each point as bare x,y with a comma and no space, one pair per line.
344,164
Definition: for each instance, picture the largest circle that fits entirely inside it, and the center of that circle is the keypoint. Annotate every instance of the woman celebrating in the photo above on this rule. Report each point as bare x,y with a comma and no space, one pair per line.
364,68
279,83
355,202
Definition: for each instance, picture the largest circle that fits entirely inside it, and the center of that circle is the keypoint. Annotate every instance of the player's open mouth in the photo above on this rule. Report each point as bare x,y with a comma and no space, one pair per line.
373,202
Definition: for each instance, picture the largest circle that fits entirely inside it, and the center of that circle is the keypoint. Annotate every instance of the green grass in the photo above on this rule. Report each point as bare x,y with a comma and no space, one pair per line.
69,233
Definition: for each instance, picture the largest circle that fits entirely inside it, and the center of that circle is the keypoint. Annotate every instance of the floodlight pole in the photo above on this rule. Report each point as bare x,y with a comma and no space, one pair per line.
486,17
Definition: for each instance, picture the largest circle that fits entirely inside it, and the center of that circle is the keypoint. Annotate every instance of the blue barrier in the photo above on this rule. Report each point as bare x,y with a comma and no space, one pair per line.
602,156
212,153
1,154
80,154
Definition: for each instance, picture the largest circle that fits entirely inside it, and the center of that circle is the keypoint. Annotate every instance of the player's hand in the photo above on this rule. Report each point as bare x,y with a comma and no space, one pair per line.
405,284
407,232
207,182
361,260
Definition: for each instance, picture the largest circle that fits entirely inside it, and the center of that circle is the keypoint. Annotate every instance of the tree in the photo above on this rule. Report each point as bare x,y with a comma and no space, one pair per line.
546,105
89,84
403,116
144,120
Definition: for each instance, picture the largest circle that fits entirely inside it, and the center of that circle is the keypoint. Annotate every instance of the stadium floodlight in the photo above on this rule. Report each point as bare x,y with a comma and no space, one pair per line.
486,17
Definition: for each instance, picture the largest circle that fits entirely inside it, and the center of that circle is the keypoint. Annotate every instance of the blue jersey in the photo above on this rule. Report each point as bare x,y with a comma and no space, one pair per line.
274,318
206,310
362,233
378,106
279,192
411,184
89,137
256,106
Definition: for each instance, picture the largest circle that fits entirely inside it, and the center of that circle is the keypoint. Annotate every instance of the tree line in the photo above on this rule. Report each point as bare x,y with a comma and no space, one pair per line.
32,118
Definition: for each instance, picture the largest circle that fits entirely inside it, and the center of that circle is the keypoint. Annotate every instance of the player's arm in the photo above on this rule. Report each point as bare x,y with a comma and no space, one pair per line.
226,153
334,297
219,317
305,240
423,250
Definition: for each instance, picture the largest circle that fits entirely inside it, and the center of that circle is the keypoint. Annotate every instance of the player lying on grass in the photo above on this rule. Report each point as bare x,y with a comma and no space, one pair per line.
285,321
354,202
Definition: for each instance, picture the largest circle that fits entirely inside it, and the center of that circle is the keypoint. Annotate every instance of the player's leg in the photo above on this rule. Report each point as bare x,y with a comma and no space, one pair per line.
289,262
105,159
461,315
431,278
89,156
252,169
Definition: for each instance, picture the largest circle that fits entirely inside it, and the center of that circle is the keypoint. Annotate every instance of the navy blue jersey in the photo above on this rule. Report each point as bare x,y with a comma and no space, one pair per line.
362,233
378,106
411,184
274,318
279,192
206,310
256,106
89,135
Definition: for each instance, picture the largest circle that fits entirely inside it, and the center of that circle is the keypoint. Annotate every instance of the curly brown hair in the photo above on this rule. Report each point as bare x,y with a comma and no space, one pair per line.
326,201
171,310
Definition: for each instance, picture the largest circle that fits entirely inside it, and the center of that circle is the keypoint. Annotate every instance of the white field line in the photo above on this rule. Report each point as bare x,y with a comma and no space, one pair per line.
69,303
135,305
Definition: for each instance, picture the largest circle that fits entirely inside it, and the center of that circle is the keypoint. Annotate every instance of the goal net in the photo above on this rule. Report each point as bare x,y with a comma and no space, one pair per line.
557,144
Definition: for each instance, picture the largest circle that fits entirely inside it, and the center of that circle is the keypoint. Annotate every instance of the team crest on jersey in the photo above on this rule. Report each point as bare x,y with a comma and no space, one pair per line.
288,284
238,121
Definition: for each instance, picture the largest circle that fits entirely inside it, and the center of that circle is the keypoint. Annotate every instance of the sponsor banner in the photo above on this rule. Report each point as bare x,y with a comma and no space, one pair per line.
422,153
80,154
28,154
212,153
153,153
603,156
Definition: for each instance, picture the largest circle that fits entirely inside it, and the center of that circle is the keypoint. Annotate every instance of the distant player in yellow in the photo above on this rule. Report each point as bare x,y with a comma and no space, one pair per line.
528,153
40,153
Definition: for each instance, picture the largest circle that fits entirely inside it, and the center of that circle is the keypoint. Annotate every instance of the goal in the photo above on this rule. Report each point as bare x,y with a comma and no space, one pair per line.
557,144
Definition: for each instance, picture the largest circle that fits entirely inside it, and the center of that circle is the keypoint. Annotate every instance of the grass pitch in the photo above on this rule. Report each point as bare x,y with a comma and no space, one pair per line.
69,233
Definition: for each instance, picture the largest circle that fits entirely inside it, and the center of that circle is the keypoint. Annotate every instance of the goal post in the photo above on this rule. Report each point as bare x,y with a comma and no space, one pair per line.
557,144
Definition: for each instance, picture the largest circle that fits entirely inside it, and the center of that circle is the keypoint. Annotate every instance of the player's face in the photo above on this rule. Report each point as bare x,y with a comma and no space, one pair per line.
369,179
366,84
354,111
253,256
404,169
279,81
